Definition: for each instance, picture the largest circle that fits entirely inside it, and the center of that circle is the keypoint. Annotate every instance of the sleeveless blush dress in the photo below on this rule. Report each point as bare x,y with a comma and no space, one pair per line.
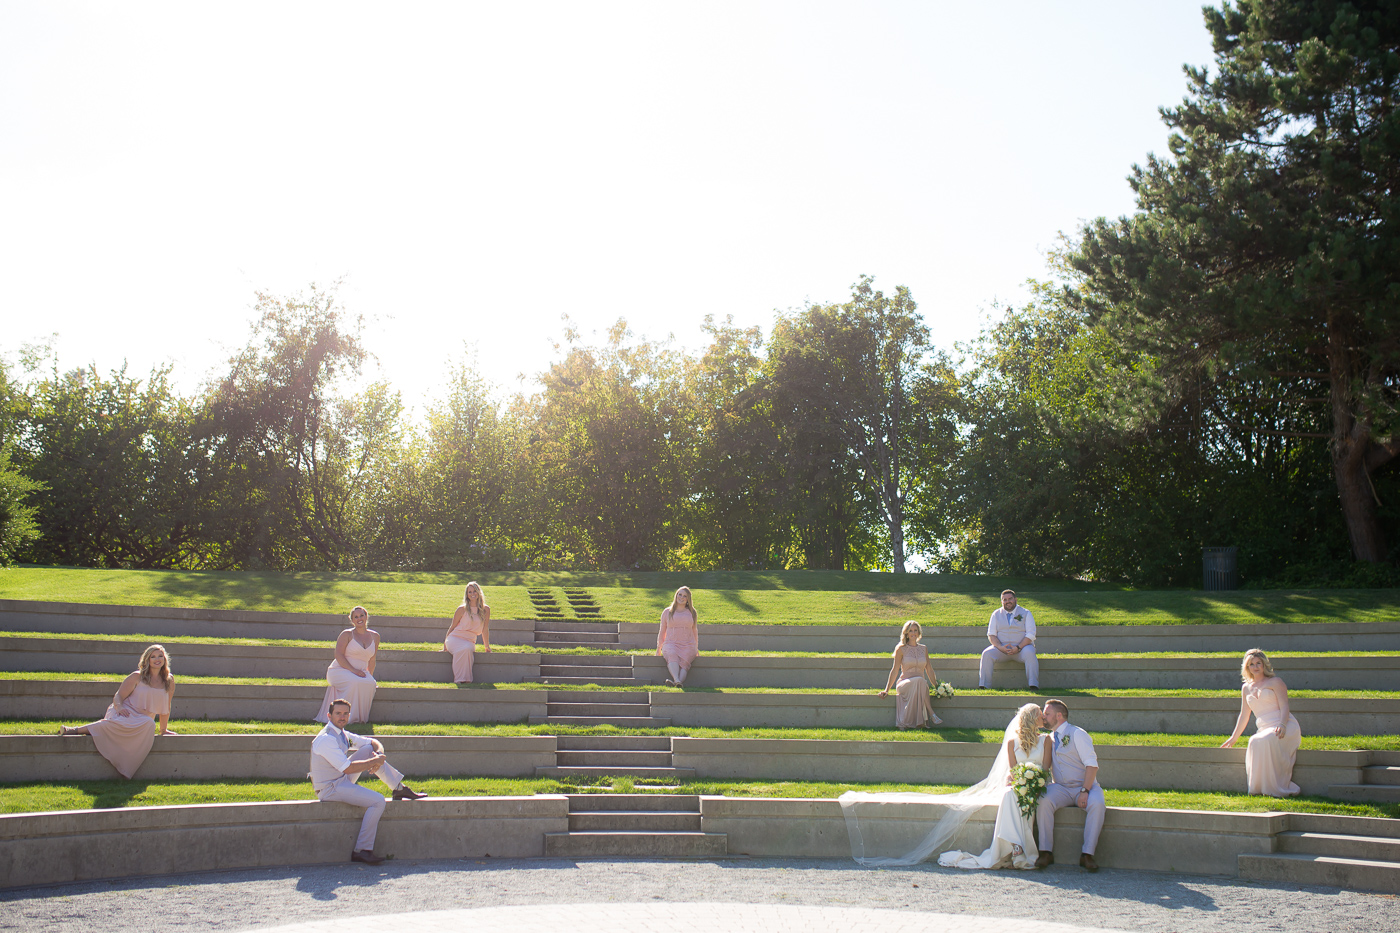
125,735
912,705
346,686
1268,759
682,639
461,641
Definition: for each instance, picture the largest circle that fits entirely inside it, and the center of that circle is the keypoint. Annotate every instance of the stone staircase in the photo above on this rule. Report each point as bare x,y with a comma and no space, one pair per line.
630,709
602,670
1379,784
635,826
1348,852
603,755
557,633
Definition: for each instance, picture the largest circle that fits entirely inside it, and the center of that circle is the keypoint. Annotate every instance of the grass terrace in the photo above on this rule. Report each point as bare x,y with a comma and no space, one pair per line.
546,649
944,734
41,797
779,597
648,688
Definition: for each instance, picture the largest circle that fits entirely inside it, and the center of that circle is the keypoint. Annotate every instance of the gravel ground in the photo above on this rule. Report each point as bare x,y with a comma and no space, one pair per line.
262,898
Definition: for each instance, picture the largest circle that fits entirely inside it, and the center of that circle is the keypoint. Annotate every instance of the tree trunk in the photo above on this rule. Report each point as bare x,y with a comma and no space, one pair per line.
1351,438
897,544
1358,502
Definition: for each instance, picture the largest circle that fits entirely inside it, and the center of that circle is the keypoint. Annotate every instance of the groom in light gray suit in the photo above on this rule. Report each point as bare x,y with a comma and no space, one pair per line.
338,758
1075,769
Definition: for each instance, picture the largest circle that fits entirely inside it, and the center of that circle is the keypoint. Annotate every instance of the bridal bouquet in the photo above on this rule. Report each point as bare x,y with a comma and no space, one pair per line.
1029,780
943,690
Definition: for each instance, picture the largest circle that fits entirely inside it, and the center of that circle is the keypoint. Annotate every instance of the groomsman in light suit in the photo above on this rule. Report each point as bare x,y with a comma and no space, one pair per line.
1011,631
338,758
1075,770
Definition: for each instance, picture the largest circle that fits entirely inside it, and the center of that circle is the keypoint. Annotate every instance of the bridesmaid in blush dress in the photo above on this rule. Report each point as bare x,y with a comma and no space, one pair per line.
1273,748
678,639
351,674
471,621
125,735
915,675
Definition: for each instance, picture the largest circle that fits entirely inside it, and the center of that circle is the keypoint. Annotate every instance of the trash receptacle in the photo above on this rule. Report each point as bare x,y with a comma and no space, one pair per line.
1219,566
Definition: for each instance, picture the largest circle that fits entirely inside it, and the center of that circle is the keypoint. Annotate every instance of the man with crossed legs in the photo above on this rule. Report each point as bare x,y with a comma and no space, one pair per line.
1075,769
338,758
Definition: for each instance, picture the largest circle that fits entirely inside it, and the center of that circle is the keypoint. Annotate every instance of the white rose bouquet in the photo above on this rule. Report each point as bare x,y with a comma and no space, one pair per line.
944,690
1029,780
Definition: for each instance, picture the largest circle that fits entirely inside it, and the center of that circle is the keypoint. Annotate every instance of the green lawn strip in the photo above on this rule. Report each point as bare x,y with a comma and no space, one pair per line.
259,727
644,688
433,646
42,797
786,597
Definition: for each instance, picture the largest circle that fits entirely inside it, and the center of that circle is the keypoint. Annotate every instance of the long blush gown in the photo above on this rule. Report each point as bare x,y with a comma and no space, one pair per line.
125,735
346,686
681,640
461,641
1268,759
1012,829
912,707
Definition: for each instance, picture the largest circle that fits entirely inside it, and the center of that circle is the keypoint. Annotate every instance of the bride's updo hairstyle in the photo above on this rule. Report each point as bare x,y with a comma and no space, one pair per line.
1244,665
904,632
1027,726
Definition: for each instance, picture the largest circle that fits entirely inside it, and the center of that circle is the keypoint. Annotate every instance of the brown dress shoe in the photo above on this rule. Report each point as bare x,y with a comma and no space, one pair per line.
1086,862
404,792
1045,859
366,856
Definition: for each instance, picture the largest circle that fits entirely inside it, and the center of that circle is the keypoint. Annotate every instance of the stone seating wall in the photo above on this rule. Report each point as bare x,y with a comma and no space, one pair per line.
284,758
80,618
83,845
83,701
1316,672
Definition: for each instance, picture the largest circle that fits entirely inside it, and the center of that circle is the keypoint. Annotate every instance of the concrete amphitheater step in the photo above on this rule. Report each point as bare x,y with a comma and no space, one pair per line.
559,639
1365,793
649,821
608,757
1382,774
37,616
635,845
84,700
647,743
635,825
1300,868
236,659
667,773
622,722
1370,848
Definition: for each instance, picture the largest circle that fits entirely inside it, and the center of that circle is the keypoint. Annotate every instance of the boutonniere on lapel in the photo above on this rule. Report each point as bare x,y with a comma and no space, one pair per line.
1019,617
1064,740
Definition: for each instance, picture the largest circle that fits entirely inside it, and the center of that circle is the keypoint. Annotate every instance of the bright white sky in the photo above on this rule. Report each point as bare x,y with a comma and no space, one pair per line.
475,170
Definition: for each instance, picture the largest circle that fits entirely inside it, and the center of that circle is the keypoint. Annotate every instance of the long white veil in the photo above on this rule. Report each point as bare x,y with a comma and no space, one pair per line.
881,834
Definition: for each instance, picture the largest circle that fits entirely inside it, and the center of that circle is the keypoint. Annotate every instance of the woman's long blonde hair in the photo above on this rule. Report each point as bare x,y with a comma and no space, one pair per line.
689,603
144,666
466,598
904,632
1027,726
1255,653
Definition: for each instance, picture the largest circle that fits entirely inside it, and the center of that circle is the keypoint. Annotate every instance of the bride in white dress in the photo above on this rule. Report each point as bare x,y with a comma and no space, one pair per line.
881,834
1013,836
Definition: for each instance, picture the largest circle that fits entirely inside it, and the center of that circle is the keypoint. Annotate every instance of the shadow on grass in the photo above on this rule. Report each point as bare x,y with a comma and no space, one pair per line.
231,586
239,590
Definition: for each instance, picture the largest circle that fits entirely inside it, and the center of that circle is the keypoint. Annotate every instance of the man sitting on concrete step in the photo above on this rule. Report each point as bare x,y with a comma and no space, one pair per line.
1011,631
338,758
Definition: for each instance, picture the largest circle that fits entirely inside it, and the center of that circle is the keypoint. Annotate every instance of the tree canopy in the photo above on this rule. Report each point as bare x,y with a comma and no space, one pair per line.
1264,259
